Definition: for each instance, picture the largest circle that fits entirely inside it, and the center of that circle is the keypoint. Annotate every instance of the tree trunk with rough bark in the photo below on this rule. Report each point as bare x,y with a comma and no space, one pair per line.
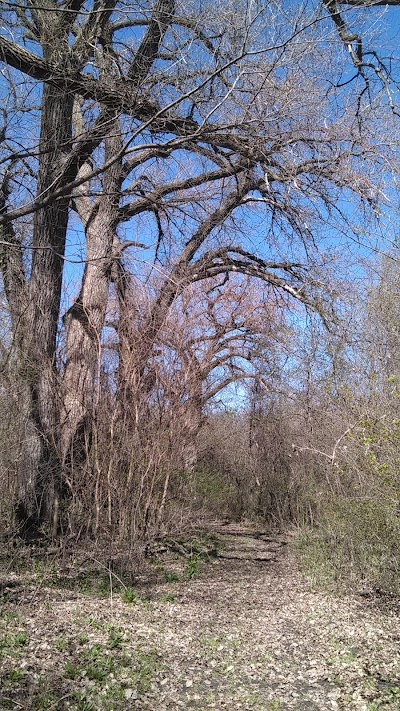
40,465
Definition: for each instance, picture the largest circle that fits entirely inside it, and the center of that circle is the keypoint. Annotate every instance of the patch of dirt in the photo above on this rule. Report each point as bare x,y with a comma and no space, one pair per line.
244,630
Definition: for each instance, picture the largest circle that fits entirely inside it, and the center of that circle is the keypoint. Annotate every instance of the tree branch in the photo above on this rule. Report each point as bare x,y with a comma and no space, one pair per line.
148,49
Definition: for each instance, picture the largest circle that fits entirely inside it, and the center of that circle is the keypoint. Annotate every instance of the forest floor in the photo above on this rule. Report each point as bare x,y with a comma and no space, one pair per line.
242,630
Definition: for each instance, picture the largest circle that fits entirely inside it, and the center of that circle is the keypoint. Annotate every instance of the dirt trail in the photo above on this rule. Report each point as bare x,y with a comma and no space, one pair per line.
248,632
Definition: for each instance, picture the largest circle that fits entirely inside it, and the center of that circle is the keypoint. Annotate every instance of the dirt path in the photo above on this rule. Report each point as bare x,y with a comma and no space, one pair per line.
245,632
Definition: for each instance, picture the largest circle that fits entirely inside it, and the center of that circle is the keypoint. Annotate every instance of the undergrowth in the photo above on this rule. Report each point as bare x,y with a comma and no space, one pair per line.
356,544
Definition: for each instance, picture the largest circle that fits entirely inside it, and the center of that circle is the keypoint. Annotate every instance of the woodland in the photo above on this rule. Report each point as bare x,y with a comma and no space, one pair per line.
199,252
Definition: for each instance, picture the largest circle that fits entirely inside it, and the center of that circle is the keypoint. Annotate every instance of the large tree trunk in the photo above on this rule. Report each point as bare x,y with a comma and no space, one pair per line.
37,372
84,321
34,292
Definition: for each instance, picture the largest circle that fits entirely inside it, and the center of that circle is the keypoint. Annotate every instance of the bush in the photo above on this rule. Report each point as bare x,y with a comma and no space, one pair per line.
355,543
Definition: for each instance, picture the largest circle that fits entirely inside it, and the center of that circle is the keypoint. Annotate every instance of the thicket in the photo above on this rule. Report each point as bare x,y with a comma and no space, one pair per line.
183,194
318,455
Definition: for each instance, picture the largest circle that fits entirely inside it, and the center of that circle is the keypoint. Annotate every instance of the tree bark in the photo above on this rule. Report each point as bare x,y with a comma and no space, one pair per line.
84,321
40,453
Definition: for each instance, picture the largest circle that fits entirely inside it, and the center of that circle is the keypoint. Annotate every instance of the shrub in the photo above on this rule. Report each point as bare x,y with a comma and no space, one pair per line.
356,542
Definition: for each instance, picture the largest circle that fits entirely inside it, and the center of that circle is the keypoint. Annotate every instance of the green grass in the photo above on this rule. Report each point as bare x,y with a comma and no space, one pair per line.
167,598
100,670
93,652
44,701
275,705
82,702
10,617
116,638
13,677
61,644
71,670
129,595
147,663
13,643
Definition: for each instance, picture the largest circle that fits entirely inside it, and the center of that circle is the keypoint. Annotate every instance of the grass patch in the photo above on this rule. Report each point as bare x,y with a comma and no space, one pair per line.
13,677
116,638
100,670
10,617
13,643
71,670
129,596
147,663
61,644
44,701
167,598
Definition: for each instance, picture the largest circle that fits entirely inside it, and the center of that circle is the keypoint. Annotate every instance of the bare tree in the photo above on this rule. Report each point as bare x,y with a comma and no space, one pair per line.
213,140
211,340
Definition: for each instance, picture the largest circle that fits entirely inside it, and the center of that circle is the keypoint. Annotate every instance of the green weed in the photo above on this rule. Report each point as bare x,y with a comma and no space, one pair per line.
192,566
392,696
13,642
9,616
82,702
44,701
147,663
129,596
62,644
95,584
167,598
275,705
19,639
93,652
71,670
12,677
116,638
100,669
